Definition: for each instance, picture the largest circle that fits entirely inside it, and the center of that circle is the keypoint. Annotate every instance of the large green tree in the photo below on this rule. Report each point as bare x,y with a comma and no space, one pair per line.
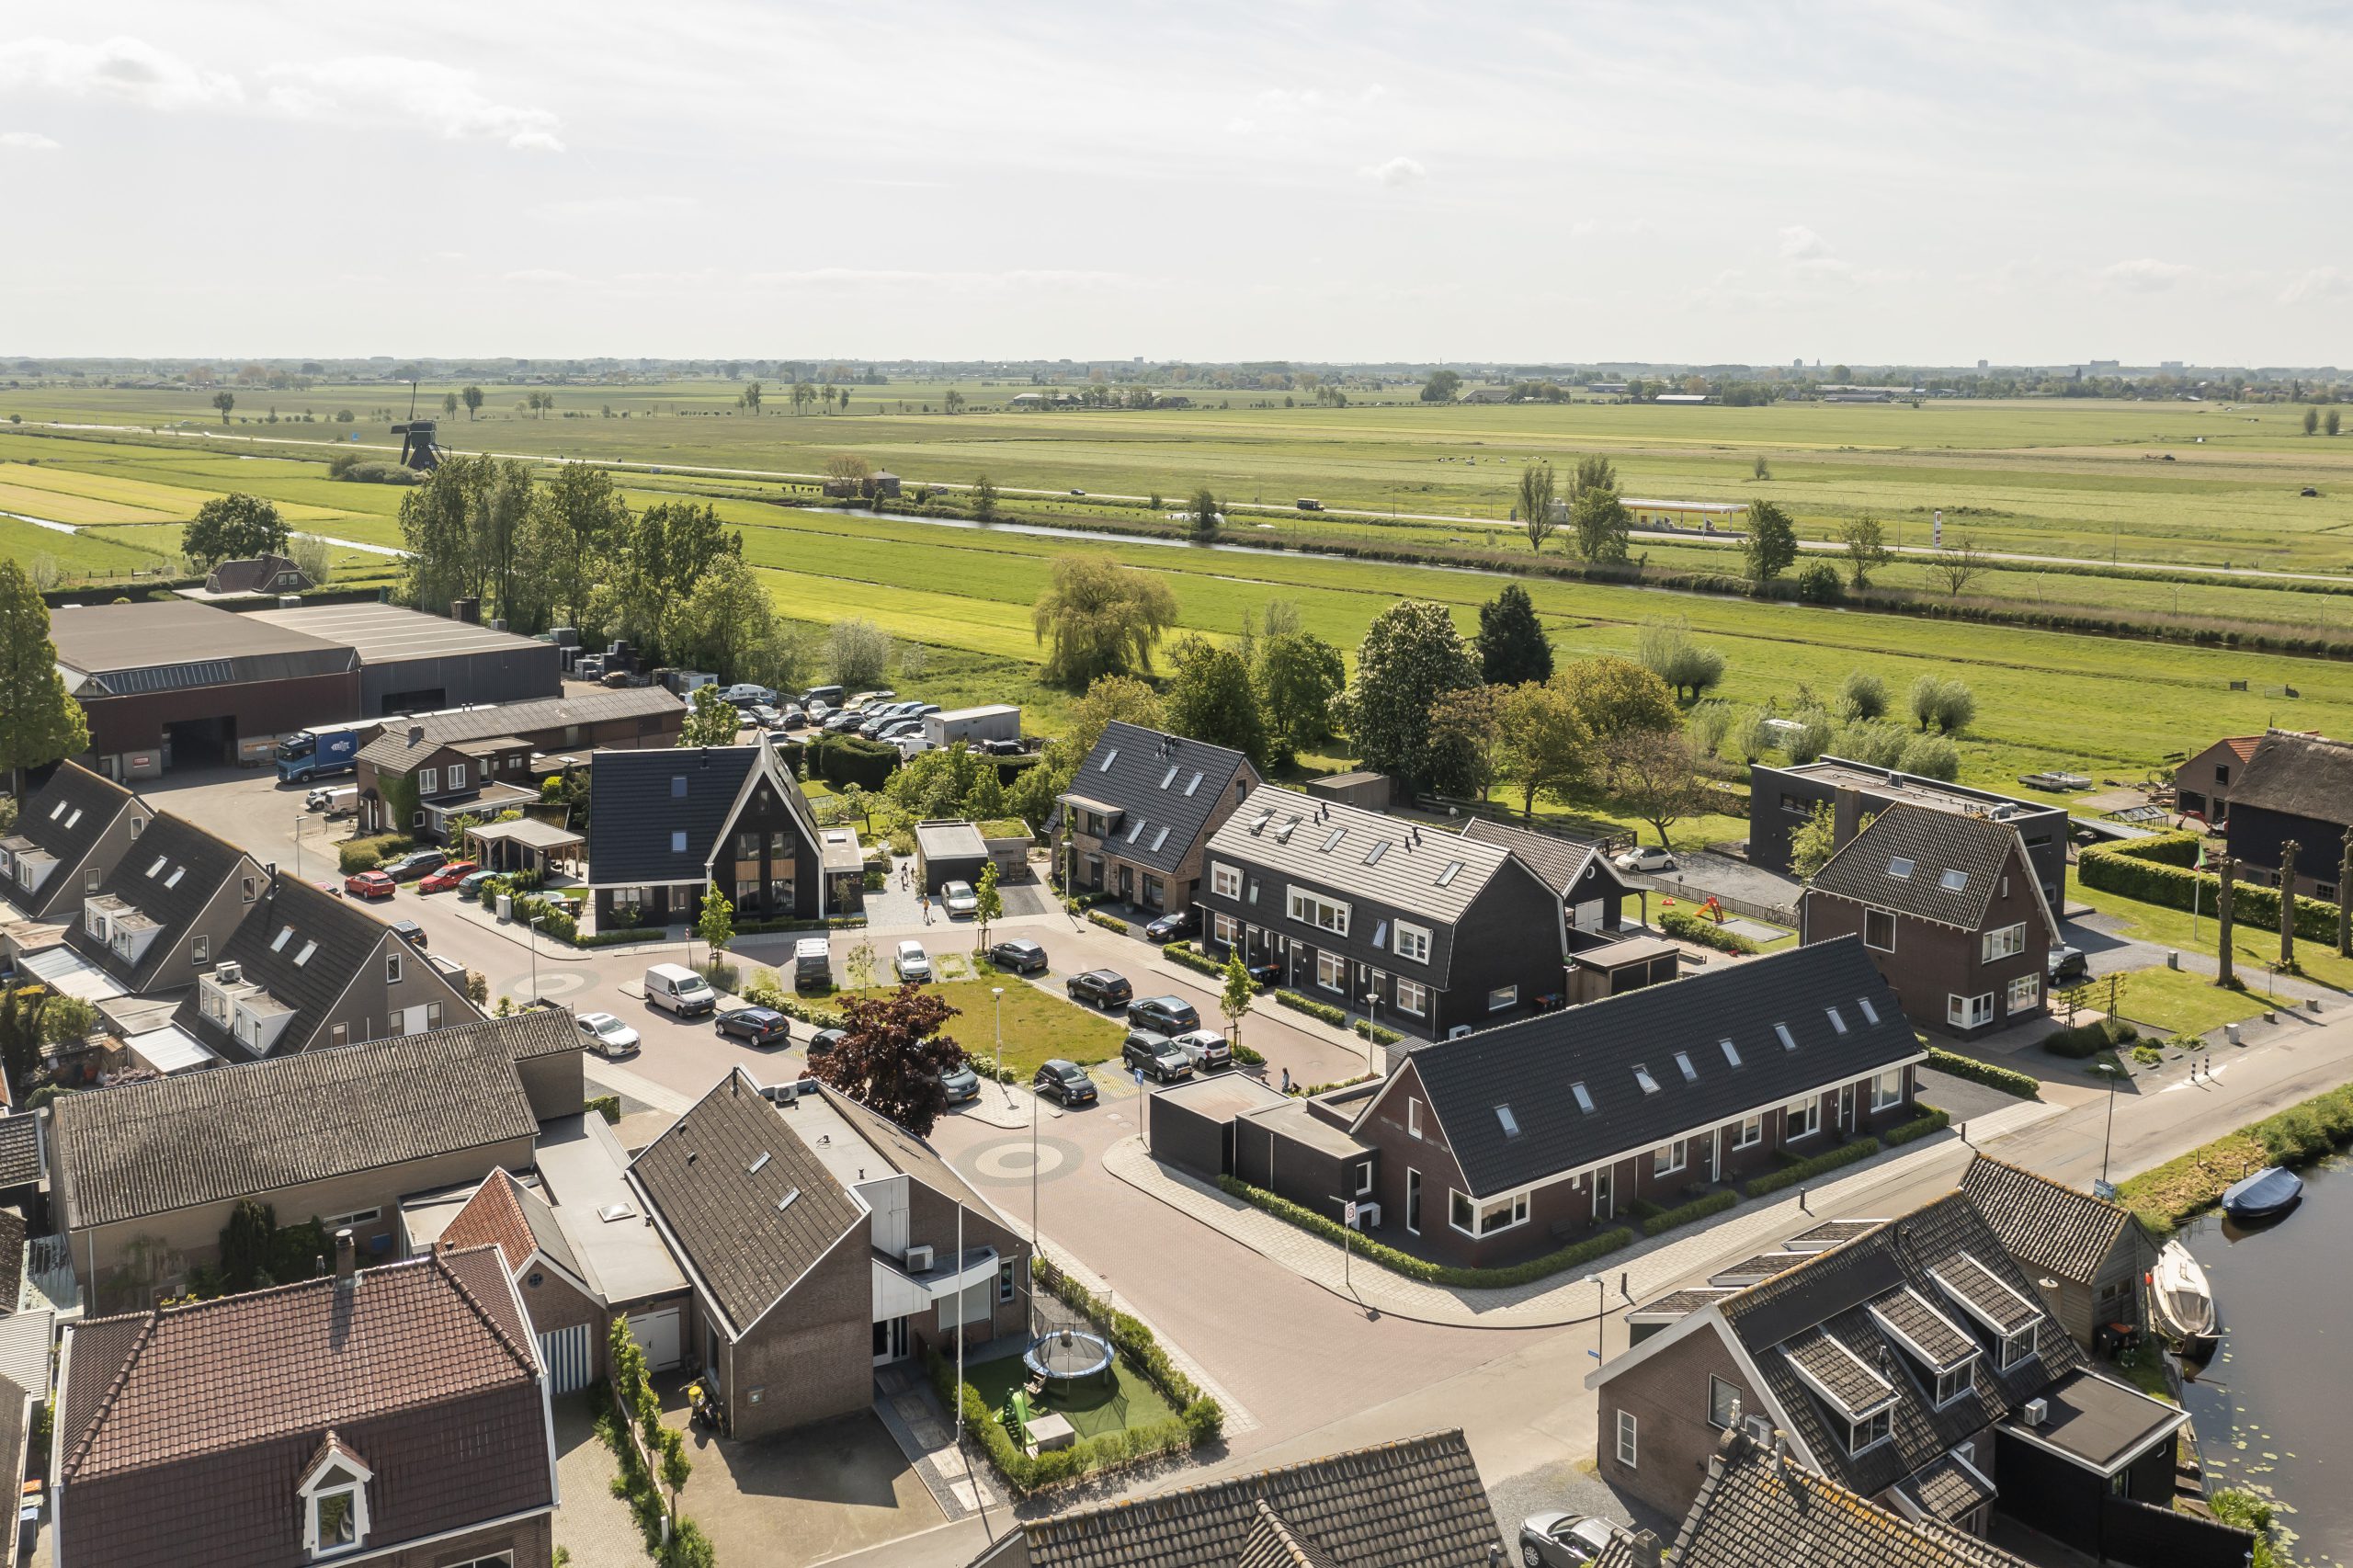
39,720
1538,491
1410,655
577,521
1213,699
1665,649
1601,524
1772,542
235,526
438,527
1616,699
1547,746
1300,677
1099,618
1513,647
712,720
727,620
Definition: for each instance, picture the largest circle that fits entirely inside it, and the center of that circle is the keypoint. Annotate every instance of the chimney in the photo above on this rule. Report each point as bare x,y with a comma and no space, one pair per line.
1780,1452
1846,816
1643,1550
415,735
347,1259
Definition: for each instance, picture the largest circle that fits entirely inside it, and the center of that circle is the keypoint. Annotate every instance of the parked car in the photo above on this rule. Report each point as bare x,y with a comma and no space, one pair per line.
823,1042
674,988
415,864
742,694
370,884
469,885
1156,1056
831,695
960,901
447,877
2066,963
912,963
1168,927
761,714
1102,987
999,748
1206,1049
1020,955
409,931
1265,976
843,723
1065,1083
1167,1015
961,1083
1643,858
1564,1541
607,1035
812,963
755,1025
860,699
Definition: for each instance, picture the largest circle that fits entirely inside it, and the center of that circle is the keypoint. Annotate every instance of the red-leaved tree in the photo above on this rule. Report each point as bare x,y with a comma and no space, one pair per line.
893,1056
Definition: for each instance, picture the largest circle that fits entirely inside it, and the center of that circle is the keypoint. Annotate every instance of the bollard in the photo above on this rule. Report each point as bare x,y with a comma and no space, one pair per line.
2231,1033
2173,958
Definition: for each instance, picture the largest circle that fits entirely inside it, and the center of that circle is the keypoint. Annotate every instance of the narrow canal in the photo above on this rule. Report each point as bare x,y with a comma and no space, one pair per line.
2274,1410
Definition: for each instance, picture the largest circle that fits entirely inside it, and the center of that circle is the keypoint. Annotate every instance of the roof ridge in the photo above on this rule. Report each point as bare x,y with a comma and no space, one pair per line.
524,1360
1080,1517
107,1401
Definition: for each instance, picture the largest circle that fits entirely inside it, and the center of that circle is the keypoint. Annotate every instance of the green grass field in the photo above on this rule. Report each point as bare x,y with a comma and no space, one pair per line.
2174,1002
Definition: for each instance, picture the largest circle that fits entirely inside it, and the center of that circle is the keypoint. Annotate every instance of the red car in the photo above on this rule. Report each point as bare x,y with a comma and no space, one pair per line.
370,884
447,877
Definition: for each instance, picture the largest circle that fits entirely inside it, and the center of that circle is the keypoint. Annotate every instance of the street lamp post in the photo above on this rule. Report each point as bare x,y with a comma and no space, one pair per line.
2109,1138
1372,1025
534,927
998,992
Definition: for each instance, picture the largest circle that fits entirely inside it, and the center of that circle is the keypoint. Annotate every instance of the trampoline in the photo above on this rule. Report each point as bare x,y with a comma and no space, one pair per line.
1069,1356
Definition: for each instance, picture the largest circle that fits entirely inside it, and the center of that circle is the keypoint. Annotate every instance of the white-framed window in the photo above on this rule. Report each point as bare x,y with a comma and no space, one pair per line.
1413,1117
334,1507
1005,1280
1225,880
1413,997
356,1219
90,878
1887,1089
1502,996
457,775
1723,1402
1802,1119
1331,970
1870,1432
200,949
1669,1158
1411,942
1324,914
1752,1132
2023,993
1626,1439
1879,929
1952,1385
391,969
1969,1012
1364,1180
2018,1345
2005,943
1475,1219
428,781
1225,928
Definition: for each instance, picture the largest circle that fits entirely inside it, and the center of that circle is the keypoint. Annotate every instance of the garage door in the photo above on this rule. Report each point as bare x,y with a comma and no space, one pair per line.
570,1356
656,1333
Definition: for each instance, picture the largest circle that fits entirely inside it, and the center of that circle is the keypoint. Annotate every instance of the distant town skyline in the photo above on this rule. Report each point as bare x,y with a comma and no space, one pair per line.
1908,184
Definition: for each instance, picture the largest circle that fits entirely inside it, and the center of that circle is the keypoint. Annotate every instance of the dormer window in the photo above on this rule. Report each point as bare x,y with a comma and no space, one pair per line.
335,1502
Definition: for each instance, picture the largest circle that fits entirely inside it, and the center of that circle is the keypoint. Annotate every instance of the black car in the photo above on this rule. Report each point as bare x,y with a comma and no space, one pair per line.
1163,1014
409,931
1064,1081
755,1025
1156,1055
1103,987
1019,955
2066,963
415,864
1169,927
824,1040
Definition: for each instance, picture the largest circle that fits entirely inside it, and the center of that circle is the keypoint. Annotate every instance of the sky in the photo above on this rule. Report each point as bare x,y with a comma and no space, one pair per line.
1890,181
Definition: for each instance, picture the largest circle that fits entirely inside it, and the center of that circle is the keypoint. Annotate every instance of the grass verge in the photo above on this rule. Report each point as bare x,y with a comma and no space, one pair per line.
2170,1194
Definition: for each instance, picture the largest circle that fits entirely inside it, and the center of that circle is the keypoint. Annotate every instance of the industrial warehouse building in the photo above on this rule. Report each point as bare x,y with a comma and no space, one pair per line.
176,684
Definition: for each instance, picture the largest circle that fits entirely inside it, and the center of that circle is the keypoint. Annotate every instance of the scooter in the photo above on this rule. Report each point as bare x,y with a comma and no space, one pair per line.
703,1408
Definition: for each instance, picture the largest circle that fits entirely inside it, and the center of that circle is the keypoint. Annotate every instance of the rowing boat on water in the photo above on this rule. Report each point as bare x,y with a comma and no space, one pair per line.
2181,1303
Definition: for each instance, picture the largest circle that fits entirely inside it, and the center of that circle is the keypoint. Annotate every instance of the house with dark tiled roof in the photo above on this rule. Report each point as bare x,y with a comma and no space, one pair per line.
1417,1503
2086,1256
666,825
1593,896
66,840
1427,931
420,772
2295,787
1141,807
396,1413
168,906
821,1242
146,1175
304,969
255,574
1913,1366
2202,784
1951,911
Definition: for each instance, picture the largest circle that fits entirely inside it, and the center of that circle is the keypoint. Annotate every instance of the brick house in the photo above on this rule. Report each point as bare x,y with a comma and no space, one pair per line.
66,840
2087,1257
1915,1367
492,748
820,1243
664,825
1443,934
1782,799
2201,785
394,1415
1140,809
2295,787
1951,911
170,904
255,574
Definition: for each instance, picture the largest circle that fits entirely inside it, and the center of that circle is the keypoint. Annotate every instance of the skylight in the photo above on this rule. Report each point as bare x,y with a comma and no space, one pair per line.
1836,1021
1732,1053
1331,841
786,1201
1194,784
1870,1014
1585,1101
278,943
1953,881
1258,825
57,811
1453,869
1899,869
1169,777
1109,758
305,956
1160,838
1789,1041
613,1211
1372,855
1643,1076
158,866
174,879
1282,834
1683,1061
754,1168
75,818
1511,1124
677,786
1136,831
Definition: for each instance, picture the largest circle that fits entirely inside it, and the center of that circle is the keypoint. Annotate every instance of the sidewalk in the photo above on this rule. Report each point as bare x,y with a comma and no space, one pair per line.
1648,1266
926,1435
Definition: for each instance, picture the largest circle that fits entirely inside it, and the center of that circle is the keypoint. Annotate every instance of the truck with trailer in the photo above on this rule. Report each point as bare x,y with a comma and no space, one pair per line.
322,751
993,721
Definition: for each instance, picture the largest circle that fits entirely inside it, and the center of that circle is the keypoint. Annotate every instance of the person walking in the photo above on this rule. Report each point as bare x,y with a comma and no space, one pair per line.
925,900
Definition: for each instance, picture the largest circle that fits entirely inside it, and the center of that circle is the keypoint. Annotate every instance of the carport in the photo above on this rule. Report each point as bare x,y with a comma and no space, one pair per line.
527,844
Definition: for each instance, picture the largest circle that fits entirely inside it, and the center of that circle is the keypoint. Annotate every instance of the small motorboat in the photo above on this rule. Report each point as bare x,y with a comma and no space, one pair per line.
2265,1195
2181,1304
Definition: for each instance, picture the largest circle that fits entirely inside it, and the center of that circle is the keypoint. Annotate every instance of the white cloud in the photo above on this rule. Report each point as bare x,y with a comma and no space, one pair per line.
26,142
1399,171
2320,283
2144,275
438,97
1801,244
127,69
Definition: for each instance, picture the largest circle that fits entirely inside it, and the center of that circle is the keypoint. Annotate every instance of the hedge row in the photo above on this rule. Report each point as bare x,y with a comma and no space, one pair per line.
844,760
1698,1208
1687,927
1131,1338
357,855
2089,1039
1414,1268
1918,1128
1376,1033
1312,1008
1109,922
1806,1170
1052,1467
2158,870
1183,953
2025,1086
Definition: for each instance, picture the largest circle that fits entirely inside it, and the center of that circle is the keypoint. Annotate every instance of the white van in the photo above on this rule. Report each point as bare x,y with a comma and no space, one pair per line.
674,988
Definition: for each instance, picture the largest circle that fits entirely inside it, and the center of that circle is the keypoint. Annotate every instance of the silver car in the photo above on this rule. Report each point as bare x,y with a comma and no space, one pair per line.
1564,1541
607,1035
960,901
912,963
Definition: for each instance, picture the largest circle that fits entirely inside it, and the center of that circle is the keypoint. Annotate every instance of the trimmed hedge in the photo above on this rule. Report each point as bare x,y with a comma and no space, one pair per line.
1312,1008
1698,1208
1918,1128
844,760
367,854
1806,1170
1109,922
1183,953
1687,927
2089,1039
2159,870
1412,1267
2023,1084
1376,1033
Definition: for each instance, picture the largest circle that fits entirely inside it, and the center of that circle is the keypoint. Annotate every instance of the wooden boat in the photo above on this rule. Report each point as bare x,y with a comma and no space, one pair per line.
2265,1195
2181,1304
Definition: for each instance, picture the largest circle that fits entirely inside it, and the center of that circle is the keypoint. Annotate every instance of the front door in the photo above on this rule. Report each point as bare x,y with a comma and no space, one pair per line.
1605,1205
889,1341
1127,884
1715,1154
1846,1108
1413,1202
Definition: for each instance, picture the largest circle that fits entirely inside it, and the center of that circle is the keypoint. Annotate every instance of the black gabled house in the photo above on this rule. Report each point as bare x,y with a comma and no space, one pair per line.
1427,932
2299,788
665,824
1139,810
1593,896
66,840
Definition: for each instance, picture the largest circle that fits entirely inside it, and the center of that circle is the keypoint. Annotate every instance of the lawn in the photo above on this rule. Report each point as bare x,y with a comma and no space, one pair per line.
2172,1002
1126,1403
2252,946
1039,1024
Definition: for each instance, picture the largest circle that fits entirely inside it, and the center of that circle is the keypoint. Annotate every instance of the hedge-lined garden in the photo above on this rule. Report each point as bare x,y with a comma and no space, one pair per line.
1685,927
2162,869
1412,1267
2025,1086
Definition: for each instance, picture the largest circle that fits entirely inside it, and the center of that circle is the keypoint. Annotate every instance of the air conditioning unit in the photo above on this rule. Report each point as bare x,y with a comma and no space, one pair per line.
229,973
1759,1429
2037,1410
1368,1216
919,1260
